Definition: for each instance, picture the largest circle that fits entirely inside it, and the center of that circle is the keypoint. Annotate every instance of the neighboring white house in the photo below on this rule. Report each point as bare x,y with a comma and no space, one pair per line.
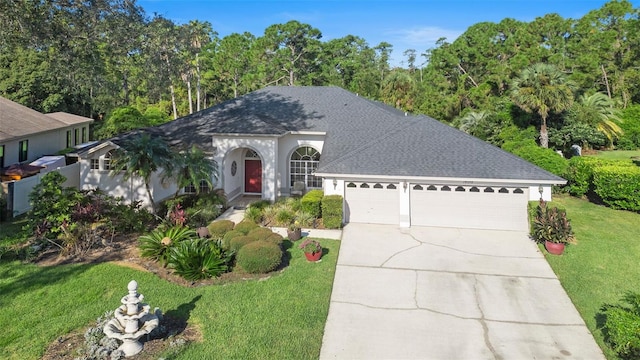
390,167
26,135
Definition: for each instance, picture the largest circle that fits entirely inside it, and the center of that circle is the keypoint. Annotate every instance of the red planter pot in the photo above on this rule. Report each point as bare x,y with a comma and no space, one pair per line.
554,248
313,256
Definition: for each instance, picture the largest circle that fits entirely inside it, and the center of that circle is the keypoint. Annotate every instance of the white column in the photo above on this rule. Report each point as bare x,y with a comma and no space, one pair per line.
405,204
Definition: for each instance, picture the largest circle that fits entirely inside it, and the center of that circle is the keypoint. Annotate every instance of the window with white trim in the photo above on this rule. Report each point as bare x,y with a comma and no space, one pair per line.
304,162
95,164
204,188
106,161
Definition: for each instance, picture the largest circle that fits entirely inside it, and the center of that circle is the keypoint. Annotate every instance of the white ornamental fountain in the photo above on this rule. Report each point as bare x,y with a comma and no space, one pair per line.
132,321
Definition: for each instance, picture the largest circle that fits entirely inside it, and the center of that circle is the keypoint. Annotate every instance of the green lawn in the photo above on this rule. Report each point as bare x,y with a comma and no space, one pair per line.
280,317
618,154
603,265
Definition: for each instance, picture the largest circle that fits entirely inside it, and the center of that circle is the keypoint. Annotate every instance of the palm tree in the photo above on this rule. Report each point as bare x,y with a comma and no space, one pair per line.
471,120
598,110
542,88
141,155
192,167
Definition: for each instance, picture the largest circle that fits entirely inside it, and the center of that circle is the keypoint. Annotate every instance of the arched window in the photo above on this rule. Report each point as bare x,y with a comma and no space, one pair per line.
106,160
304,162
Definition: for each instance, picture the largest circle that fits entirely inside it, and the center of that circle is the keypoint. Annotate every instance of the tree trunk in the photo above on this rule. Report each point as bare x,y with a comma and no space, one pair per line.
153,204
173,102
197,84
189,95
544,134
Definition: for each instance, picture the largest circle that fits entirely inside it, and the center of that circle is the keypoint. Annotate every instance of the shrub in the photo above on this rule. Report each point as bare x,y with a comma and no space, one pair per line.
218,228
259,257
579,173
544,158
622,326
199,259
51,204
253,214
275,238
618,186
260,233
285,216
245,226
260,204
130,218
310,203
157,245
226,239
238,242
332,211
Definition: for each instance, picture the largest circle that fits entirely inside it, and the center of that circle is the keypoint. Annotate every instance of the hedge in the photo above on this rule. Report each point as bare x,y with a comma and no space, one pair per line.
544,158
310,203
579,173
332,211
618,186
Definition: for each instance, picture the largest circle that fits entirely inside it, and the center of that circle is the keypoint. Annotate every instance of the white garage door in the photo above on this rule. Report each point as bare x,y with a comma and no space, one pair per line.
374,203
476,207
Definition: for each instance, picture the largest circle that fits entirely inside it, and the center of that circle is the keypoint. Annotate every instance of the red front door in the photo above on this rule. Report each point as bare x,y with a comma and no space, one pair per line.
253,176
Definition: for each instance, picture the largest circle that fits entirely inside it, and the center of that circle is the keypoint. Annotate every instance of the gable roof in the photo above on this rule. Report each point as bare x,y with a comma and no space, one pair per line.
17,121
363,137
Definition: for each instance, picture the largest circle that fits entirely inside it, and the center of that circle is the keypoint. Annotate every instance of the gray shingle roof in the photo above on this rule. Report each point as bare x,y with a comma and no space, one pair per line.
363,137
17,121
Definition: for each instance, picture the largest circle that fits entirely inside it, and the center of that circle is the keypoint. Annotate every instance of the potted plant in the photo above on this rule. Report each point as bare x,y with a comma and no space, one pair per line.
552,228
294,231
312,249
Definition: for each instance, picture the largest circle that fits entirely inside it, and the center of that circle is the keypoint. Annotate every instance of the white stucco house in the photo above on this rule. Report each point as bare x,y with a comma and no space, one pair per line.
390,167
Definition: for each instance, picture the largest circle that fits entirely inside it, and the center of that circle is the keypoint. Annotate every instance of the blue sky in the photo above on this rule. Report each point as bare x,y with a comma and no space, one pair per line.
406,24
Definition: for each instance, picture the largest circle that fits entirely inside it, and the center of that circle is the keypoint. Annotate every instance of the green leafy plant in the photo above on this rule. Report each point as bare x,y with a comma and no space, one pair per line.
51,205
157,245
552,225
198,259
259,257
253,214
621,327
310,246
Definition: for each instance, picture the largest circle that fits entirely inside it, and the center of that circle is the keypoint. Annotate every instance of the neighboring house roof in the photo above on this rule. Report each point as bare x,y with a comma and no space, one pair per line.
17,121
363,137
69,119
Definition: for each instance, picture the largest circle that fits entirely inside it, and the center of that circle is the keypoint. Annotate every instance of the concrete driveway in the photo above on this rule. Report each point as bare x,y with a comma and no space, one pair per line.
441,293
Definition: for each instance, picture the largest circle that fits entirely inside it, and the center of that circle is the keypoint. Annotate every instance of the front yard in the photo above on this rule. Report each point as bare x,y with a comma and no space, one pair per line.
603,265
276,317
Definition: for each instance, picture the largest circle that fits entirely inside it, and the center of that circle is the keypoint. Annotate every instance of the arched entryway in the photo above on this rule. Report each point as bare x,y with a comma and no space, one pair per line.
252,172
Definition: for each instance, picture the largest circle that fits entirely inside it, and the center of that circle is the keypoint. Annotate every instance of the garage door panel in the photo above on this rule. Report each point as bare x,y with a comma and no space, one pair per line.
466,209
376,204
